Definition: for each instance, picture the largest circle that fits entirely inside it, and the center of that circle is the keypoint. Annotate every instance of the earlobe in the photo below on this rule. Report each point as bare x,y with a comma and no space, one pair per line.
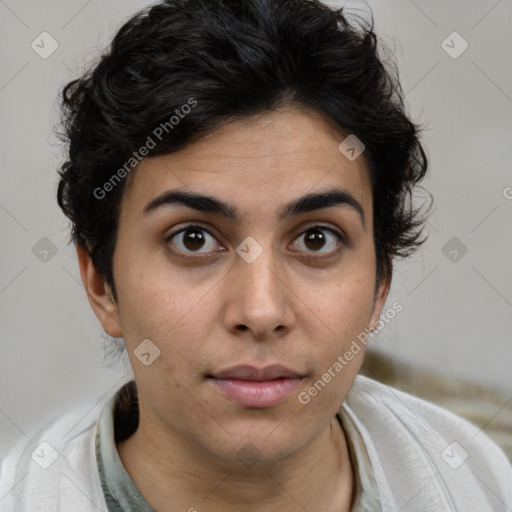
99,294
381,294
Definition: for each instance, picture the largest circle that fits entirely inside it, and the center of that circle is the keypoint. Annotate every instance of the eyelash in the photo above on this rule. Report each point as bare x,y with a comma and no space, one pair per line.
320,227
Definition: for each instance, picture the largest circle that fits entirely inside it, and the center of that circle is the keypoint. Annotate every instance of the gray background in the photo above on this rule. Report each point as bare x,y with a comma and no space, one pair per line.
457,308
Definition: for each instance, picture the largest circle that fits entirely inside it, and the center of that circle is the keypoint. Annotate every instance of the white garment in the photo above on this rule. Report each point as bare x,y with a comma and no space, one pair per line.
417,452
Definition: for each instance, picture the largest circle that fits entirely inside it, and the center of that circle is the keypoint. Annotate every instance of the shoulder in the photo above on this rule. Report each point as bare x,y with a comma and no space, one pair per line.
424,455
55,469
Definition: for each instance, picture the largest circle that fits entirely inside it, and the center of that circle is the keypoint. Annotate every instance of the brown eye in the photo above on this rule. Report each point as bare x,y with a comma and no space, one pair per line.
193,239
314,240
317,238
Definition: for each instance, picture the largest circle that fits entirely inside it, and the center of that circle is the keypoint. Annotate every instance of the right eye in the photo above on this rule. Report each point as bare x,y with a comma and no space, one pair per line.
192,239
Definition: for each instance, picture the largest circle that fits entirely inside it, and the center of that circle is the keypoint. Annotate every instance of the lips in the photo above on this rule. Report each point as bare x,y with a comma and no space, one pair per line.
256,387
246,372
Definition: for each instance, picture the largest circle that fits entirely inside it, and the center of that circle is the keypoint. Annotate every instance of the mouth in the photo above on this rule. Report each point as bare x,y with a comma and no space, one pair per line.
256,387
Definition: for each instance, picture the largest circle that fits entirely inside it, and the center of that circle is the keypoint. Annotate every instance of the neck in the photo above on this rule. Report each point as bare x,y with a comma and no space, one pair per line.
319,477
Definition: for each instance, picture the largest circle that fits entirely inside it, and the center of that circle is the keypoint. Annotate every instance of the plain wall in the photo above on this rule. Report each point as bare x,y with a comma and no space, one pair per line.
457,309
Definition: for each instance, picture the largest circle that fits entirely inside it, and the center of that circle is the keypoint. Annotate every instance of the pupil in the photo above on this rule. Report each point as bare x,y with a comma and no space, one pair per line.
315,240
193,239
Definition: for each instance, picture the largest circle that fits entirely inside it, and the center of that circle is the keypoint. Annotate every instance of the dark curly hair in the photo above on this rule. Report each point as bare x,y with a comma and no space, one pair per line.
235,58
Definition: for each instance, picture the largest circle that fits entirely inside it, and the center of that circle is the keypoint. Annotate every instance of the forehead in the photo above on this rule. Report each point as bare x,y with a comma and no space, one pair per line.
256,162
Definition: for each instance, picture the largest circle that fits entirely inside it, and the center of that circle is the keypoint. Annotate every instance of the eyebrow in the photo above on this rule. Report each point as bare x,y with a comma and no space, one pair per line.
208,204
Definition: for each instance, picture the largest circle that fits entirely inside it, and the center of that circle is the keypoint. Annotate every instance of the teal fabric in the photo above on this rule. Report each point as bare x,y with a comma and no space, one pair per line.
121,494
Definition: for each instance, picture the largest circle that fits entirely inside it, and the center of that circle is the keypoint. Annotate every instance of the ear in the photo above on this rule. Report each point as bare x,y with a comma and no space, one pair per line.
381,294
99,294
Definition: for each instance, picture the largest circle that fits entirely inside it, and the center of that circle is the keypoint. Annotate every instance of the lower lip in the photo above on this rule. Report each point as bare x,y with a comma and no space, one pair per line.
251,393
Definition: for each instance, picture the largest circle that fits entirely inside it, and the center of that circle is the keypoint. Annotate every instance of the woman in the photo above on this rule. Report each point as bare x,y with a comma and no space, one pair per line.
239,182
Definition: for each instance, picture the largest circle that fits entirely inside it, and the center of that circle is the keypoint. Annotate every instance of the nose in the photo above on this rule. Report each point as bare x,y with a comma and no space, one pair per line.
258,298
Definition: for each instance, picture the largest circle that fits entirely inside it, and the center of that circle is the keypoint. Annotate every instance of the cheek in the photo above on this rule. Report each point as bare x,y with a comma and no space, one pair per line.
345,305
337,345
171,308
340,317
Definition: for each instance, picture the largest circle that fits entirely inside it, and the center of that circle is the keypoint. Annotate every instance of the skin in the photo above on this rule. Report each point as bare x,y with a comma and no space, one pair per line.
296,305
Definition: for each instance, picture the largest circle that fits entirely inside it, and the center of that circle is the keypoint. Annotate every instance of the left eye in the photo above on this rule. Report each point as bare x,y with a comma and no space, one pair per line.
196,239
318,237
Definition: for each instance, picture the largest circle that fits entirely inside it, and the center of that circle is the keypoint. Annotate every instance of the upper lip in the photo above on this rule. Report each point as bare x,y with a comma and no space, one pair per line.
247,372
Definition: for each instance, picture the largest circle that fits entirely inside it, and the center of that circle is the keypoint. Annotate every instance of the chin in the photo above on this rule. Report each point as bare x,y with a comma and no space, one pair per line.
257,449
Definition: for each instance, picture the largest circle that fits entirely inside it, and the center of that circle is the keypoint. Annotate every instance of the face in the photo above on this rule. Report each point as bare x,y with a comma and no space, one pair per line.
261,281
